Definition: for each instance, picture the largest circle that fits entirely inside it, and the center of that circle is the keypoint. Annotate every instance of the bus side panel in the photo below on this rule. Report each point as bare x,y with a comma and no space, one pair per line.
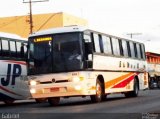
120,70
12,82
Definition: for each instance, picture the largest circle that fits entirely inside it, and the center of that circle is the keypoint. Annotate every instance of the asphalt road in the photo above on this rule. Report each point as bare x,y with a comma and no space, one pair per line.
147,104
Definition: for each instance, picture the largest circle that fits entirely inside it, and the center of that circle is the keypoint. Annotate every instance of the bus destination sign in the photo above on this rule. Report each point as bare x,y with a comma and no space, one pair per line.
42,39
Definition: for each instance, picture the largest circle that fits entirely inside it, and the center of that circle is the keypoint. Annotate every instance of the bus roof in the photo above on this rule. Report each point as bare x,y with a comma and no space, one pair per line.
67,29
12,36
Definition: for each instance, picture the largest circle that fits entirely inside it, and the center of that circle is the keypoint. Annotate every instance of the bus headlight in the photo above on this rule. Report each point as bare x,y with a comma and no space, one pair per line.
78,87
77,79
33,83
32,91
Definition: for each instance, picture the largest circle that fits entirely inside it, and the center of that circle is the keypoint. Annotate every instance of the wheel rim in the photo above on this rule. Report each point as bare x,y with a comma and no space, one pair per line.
98,91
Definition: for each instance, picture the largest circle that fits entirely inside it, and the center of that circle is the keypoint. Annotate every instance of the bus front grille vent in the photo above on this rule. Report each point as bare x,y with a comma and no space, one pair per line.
56,81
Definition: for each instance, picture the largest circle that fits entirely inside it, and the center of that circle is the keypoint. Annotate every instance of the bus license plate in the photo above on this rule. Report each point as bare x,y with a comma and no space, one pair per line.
54,89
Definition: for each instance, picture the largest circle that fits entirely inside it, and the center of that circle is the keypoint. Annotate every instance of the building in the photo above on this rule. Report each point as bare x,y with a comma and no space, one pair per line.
20,24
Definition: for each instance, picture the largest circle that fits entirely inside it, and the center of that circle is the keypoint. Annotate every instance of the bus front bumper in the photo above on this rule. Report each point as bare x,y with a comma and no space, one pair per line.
46,91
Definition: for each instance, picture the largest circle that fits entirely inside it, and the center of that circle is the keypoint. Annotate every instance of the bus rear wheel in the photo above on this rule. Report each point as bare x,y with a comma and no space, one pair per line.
133,93
99,96
54,101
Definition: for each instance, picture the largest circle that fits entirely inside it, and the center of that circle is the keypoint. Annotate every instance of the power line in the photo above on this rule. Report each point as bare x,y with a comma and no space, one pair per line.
30,12
132,34
46,22
10,22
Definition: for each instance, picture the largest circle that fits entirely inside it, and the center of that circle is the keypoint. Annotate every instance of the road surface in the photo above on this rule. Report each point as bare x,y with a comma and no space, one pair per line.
147,104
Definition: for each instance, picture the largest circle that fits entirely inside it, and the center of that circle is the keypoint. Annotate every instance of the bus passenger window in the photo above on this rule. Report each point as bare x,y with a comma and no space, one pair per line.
25,50
143,51
125,49
116,50
18,44
22,50
135,50
87,37
13,48
88,46
96,43
121,47
138,51
5,48
132,49
129,49
106,44
101,43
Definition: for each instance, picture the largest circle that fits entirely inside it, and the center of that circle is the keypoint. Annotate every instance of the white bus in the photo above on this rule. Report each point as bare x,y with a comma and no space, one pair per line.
13,68
76,61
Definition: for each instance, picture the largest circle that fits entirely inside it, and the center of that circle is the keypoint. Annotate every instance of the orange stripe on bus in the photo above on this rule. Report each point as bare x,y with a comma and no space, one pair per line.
116,80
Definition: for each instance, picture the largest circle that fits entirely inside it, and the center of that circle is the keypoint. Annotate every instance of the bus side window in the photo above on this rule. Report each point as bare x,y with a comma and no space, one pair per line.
135,50
25,50
125,48
143,51
138,51
96,43
13,51
116,49
88,46
22,50
5,47
129,49
18,46
106,44
101,44
132,49
121,47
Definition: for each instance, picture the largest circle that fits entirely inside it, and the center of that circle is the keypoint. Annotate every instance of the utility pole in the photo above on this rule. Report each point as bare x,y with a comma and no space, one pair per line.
131,34
30,12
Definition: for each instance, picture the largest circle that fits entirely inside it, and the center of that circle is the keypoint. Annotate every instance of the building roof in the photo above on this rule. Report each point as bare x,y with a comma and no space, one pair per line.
20,24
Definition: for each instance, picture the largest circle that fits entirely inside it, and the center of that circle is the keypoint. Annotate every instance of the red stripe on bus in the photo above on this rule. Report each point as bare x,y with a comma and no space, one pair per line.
9,91
125,82
16,62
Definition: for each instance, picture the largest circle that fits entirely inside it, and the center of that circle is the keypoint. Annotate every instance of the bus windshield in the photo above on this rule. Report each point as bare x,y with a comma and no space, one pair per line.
55,53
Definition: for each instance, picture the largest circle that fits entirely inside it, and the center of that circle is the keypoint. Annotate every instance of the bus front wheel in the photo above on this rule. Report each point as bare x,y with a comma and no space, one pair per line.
99,96
54,101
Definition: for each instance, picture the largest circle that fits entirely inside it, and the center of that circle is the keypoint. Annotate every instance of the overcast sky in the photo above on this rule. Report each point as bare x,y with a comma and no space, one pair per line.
111,16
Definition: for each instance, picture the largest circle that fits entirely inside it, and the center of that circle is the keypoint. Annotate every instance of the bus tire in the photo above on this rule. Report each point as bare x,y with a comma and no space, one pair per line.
54,101
9,102
99,96
40,100
133,93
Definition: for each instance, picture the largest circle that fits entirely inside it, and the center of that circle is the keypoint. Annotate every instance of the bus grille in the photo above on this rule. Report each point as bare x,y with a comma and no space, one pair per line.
58,81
